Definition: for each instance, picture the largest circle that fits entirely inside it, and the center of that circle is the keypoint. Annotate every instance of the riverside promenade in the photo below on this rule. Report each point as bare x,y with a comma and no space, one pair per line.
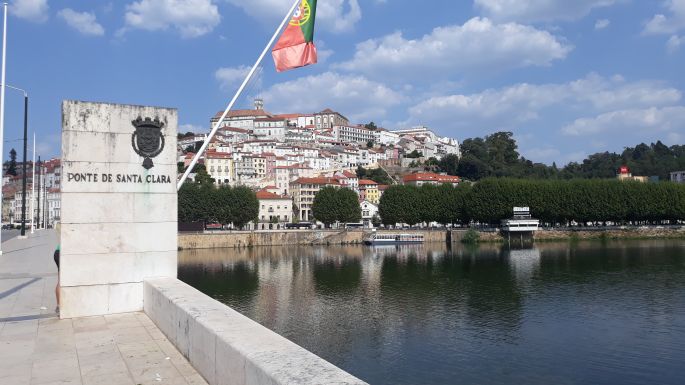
36,347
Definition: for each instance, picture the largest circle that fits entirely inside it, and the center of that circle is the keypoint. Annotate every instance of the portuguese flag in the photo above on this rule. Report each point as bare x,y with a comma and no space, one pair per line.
296,47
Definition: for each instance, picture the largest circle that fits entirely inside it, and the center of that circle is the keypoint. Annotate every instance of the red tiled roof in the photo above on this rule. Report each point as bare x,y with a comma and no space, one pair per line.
317,180
349,174
217,155
288,116
431,177
262,194
367,182
235,129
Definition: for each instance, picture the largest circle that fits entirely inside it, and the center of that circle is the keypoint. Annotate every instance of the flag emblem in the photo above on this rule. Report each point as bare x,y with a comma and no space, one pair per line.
296,48
301,15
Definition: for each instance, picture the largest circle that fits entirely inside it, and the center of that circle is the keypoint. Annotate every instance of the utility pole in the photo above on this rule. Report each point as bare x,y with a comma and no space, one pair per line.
33,185
38,212
23,179
2,102
45,202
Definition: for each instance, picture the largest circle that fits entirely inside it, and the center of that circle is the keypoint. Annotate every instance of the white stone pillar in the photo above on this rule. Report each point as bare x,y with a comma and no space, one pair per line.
119,213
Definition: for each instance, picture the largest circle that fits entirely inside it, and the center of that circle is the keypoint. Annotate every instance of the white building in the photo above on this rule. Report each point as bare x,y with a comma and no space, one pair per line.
220,167
270,128
189,141
678,176
369,211
385,137
234,135
274,210
242,118
354,134
329,118
299,135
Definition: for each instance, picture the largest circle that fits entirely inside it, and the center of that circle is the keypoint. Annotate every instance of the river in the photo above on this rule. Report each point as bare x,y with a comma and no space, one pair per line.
559,313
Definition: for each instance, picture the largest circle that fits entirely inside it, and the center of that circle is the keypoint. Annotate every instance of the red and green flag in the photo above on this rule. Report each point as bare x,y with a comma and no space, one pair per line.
296,47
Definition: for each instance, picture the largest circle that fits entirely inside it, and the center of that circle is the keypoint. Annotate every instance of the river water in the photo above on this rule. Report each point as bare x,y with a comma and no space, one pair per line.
559,313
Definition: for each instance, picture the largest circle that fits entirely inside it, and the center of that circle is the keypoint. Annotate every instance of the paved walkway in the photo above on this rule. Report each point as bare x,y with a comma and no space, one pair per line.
38,348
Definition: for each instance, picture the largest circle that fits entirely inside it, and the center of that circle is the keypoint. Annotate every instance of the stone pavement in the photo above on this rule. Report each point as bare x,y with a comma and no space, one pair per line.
38,348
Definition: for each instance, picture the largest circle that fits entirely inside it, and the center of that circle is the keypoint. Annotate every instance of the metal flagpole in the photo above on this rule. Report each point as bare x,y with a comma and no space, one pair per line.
33,183
2,103
45,202
236,96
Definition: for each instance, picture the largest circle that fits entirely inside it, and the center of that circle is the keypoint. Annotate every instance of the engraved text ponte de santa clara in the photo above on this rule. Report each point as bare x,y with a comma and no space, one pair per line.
116,178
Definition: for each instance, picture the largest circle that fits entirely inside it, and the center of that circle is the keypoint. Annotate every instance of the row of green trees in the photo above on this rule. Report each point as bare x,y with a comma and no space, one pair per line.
497,155
206,203
554,202
333,204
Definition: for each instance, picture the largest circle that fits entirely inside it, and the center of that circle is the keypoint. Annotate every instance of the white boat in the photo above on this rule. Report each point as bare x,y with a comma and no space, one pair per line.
389,239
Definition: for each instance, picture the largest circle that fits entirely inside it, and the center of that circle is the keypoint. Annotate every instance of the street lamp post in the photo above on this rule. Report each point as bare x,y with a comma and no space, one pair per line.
2,101
33,184
38,213
23,181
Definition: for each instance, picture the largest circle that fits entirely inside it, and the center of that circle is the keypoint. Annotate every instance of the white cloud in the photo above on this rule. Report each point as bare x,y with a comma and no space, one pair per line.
539,10
192,18
536,154
478,45
84,22
513,105
32,10
333,15
361,98
231,77
673,44
663,24
665,120
194,128
602,23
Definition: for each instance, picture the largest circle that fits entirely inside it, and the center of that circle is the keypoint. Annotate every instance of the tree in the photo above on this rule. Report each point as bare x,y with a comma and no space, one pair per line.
369,144
349,210
377,175
201,175
414,154
333,204
449,164
429,203
195,203
245,206
371,126
180,167
400,204
325,205
12,166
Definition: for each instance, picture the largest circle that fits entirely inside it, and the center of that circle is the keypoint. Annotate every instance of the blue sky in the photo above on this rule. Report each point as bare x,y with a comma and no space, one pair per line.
569,78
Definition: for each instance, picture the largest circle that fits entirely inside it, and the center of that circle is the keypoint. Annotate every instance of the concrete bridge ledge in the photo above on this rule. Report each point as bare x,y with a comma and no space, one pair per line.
226,347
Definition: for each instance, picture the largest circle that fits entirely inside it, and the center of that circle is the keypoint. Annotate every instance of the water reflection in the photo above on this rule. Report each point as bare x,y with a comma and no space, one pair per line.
588,312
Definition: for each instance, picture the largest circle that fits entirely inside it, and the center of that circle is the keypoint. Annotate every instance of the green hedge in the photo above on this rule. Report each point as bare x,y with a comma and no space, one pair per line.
206,203
554,202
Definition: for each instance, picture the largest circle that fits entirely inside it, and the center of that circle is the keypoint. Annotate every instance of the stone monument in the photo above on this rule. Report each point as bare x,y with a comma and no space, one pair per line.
119,210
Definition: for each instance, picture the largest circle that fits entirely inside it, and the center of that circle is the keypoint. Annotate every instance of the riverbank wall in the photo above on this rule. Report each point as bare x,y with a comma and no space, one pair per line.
566,234
238,239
